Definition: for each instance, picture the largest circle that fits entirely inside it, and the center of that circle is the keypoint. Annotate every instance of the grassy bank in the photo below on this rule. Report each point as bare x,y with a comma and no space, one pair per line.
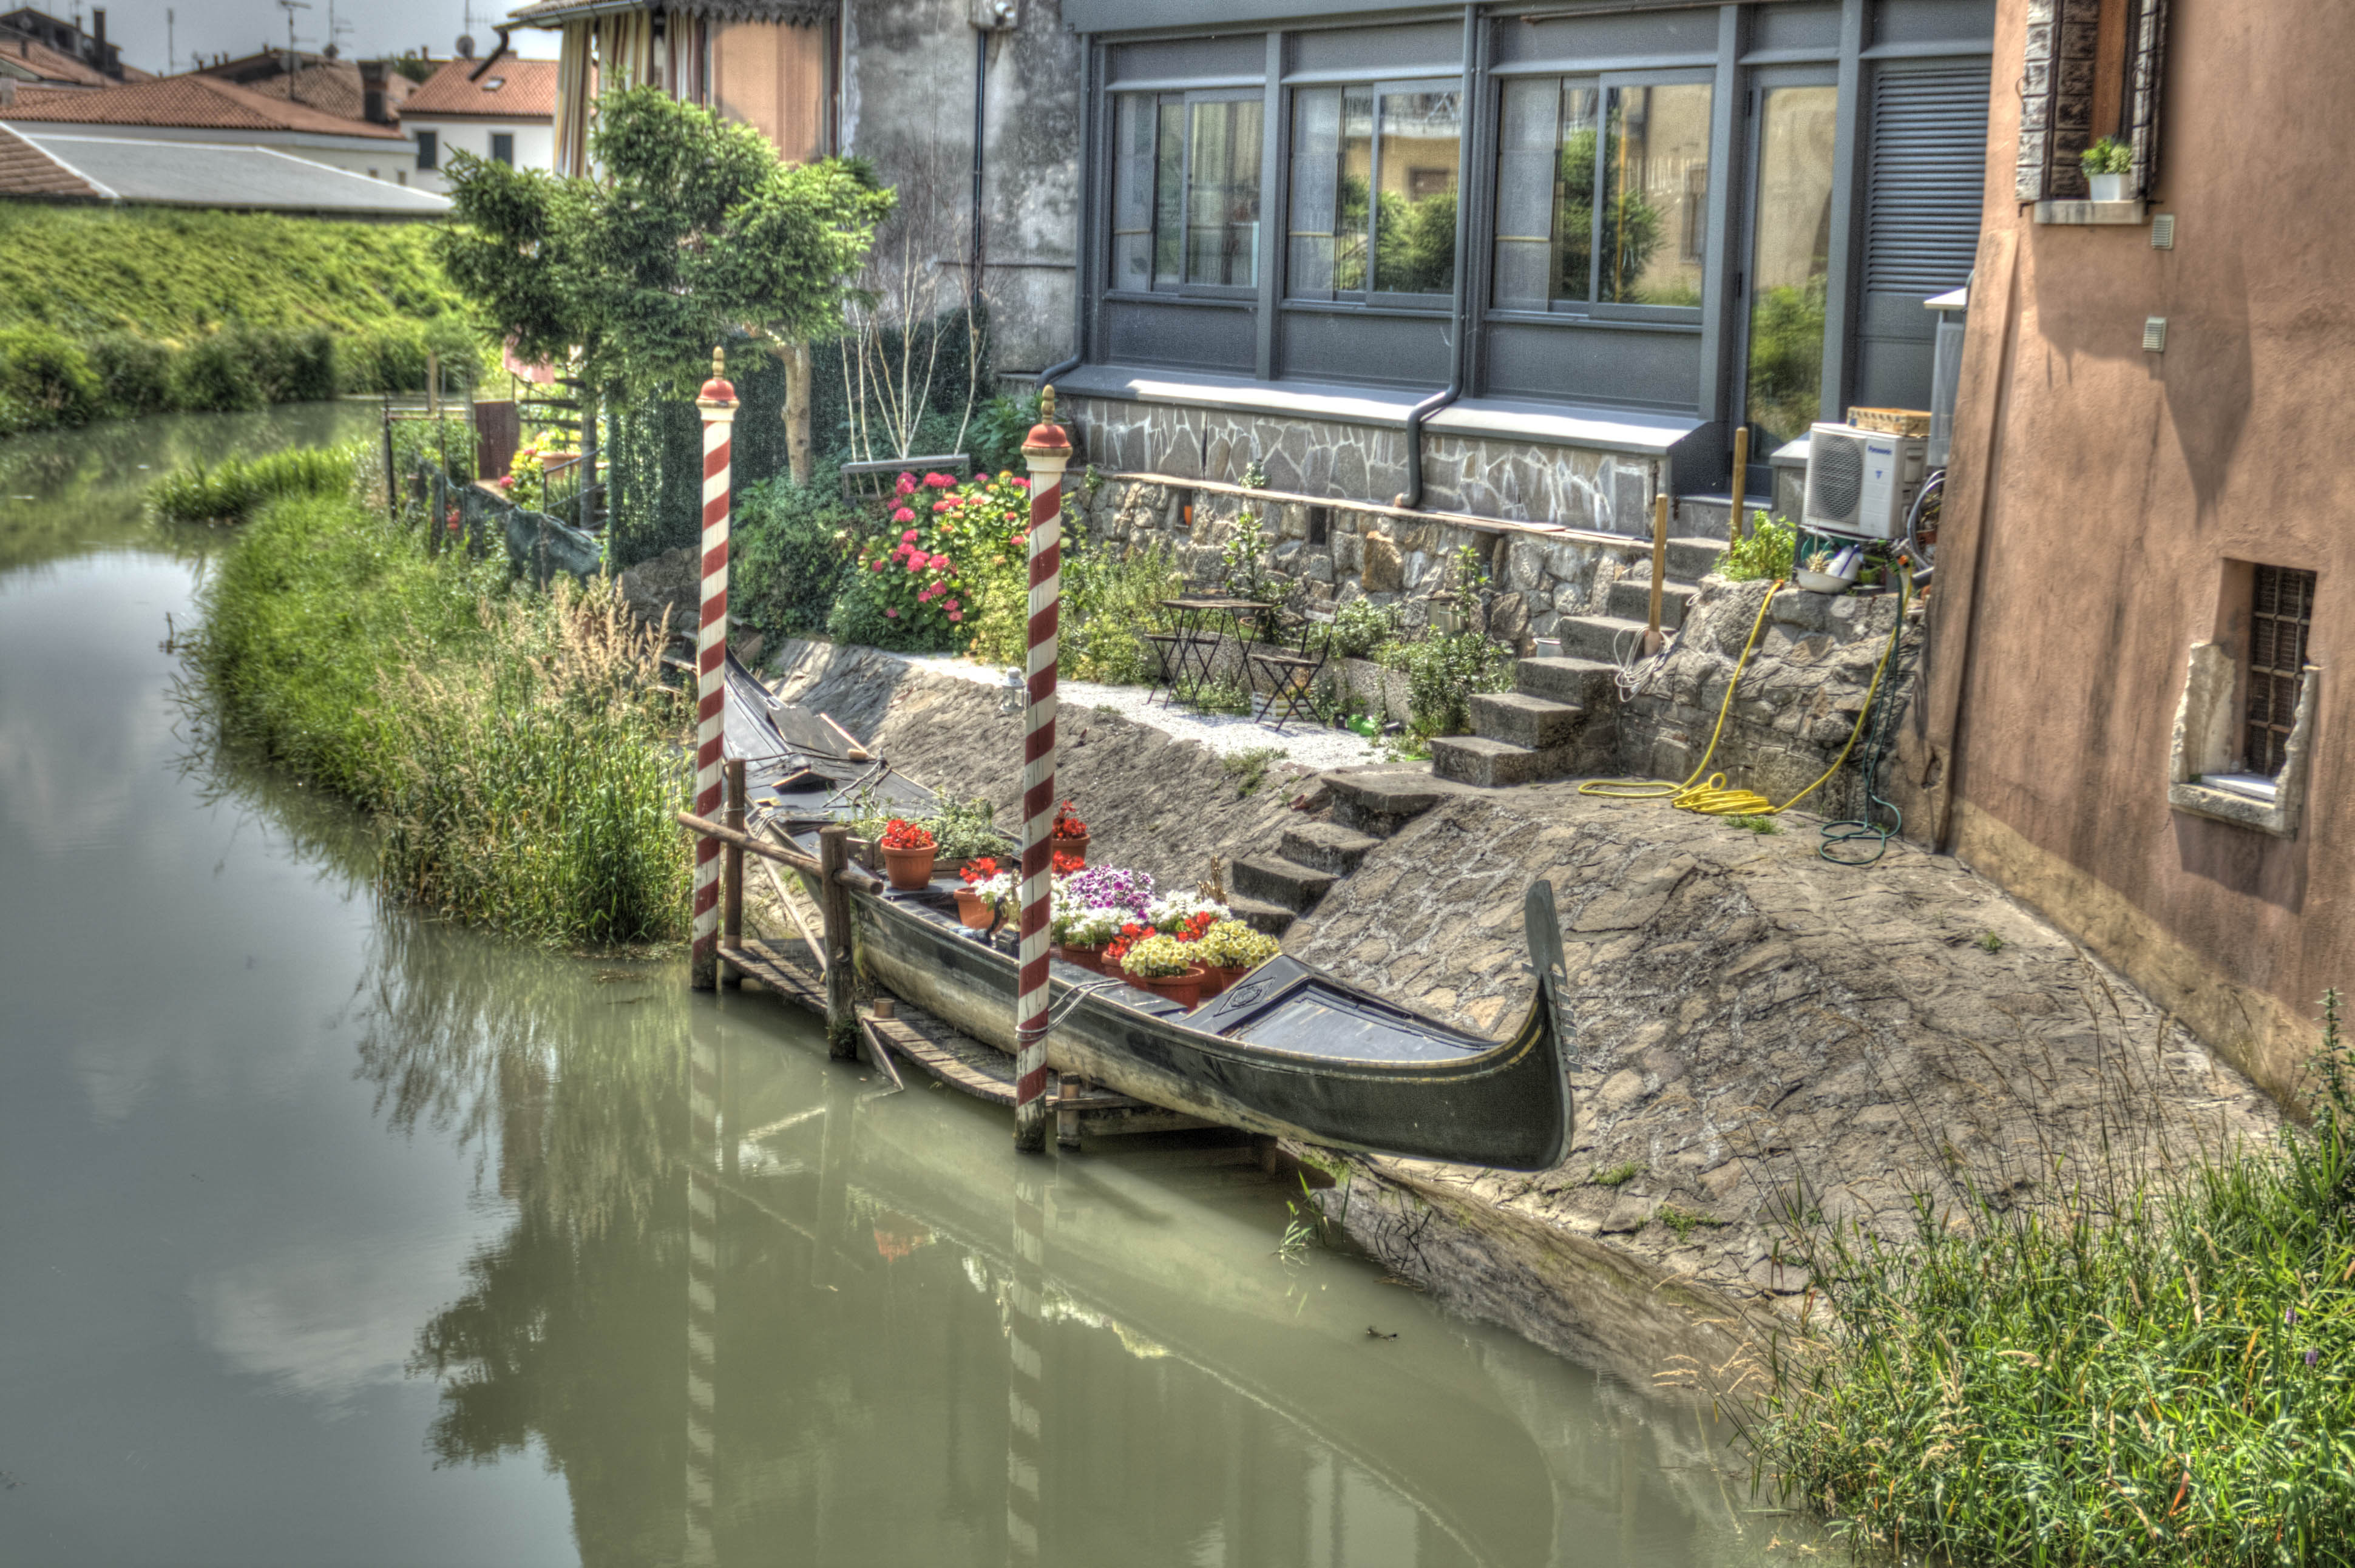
2099,1372
513,744
234,489
111,314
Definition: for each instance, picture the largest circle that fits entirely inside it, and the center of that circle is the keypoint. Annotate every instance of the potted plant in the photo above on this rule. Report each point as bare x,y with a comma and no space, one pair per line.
1229,950
1826,570
1069,835
2108,164
977,908
1163,965
964,832
1085,933
1185,916
908,855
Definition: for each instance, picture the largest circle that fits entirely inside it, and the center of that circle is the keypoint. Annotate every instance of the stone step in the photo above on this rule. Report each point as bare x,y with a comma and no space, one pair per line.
1260,916
1709,516
1520,719
1383,800
1631,599
1584,682
1609,638
1327,847
1691,559
1489,764
1276,880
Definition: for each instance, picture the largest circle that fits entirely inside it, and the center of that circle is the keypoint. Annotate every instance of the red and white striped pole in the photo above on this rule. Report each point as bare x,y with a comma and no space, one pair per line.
718,401
1048,450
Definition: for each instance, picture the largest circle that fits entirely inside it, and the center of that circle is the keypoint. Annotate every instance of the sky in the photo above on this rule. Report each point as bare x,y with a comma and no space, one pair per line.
364,29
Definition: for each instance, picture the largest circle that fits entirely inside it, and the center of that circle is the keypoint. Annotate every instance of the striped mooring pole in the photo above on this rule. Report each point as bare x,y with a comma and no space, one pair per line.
1048,450
718,401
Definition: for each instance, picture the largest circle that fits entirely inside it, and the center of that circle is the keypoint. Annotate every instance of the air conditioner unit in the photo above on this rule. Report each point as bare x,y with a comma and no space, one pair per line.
1860,482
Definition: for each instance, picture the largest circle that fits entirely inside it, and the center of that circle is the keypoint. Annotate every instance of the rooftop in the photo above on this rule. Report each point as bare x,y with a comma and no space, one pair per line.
184,102
510,89
26,60
556,13
57,165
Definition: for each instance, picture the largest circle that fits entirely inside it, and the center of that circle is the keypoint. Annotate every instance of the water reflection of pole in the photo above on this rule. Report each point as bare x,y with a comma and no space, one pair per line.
1025,1379
703,1155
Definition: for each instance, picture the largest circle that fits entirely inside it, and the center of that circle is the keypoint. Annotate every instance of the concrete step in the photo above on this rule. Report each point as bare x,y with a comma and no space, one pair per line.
1520,719
1710,516
1631,599
1327,847
1276,880
1582,683
1609,638
1381,801
1691,559
1260,916
1495,764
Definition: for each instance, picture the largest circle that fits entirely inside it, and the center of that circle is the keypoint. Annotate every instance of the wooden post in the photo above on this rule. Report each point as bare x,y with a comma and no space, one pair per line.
731,871
433,384
1652,638
1741,517
798,412
833,901
392,480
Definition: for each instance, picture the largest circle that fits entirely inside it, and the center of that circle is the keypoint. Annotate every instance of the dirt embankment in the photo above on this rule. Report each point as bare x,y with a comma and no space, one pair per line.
1762,1036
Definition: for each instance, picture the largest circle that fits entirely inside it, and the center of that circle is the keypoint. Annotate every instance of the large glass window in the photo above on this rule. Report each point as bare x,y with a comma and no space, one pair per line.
1186,191
1790,261
1374,190
1602,194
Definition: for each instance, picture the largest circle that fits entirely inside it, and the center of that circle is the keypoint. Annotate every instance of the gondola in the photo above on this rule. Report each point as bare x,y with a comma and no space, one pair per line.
1287,1051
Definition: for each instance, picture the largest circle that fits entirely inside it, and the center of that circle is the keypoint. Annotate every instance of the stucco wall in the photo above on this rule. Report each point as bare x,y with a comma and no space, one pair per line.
908,106
535,146
2109,491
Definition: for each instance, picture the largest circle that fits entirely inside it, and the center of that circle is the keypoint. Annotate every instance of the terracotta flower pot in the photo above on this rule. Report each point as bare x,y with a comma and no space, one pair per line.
1217,978
910,870
1078,846
1185,989
1087,955
973,910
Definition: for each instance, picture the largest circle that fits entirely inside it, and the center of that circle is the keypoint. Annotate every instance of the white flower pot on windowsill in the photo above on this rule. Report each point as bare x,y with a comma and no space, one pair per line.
2109,187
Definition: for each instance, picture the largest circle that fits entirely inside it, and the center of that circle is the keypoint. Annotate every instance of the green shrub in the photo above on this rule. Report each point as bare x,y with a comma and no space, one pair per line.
1443,672
2112,1369
790,553
45,382
994,438
135,375
1361,626
518,746
1765,555
237,487
216,375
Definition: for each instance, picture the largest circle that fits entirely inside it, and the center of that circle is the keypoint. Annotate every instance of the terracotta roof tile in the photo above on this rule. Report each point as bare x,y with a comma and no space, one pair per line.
51,65
526,91
27,171
188,102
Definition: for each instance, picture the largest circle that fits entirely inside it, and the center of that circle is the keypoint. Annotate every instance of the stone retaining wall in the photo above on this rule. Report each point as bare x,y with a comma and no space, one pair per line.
1367,554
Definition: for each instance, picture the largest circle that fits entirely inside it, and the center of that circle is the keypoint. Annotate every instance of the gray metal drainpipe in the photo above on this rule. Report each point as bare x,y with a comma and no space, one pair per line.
980,130
1087,234
1410,498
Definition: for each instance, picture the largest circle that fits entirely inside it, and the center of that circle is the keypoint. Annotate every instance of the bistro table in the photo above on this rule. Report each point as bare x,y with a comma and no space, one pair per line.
1191,650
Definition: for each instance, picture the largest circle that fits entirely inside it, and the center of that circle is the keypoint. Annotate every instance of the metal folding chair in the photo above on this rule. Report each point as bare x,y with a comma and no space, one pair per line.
1289,663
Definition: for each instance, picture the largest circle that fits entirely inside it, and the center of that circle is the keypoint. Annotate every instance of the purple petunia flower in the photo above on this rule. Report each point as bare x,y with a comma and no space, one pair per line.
1109,887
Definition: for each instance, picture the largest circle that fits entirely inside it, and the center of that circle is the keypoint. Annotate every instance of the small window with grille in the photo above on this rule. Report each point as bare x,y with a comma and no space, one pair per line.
2281,617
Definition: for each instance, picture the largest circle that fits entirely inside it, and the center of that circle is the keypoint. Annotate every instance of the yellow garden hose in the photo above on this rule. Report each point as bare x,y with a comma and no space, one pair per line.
1660,789
1713,798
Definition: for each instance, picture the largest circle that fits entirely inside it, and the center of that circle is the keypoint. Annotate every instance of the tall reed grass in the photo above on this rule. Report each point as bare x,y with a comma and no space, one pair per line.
235,488
517,747
2152,1371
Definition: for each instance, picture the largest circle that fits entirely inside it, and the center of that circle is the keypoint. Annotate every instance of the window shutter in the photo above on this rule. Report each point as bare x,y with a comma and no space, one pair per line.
1927,179
2150,51
2056,97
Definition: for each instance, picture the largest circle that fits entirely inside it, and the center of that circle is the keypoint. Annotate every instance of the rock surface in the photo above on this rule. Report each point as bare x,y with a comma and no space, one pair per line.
1762,1035
663,585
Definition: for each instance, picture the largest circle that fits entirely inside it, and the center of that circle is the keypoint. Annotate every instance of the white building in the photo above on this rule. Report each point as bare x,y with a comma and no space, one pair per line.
500,107
199,109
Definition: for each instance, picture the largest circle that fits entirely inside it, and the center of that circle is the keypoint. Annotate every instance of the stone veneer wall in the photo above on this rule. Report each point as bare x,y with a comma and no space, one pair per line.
1797,701
1373,554
1522,482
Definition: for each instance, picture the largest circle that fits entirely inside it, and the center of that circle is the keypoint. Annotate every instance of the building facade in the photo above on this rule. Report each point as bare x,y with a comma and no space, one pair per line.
500,109
201,110
2132,718
1525,263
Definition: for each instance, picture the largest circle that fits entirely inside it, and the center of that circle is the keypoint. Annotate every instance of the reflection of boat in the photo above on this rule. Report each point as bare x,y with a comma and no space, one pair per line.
1289,1050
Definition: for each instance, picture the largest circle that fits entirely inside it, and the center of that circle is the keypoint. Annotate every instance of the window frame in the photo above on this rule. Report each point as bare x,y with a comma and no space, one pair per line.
1370,299
508,137
1593,310
428,147
1181,289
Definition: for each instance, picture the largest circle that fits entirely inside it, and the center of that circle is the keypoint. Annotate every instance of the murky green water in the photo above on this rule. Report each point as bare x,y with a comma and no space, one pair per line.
328,1235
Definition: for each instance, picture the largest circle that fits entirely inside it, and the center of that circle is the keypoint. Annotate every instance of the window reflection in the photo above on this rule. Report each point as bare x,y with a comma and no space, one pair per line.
1644,149
1223,193
1790,261
1373,186
1185,192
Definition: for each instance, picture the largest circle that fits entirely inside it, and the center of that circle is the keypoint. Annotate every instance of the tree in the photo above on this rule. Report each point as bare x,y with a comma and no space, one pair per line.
693,228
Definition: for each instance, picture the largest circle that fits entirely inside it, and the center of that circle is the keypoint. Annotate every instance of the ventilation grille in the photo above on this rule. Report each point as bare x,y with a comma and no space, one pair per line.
1927,179
1835,478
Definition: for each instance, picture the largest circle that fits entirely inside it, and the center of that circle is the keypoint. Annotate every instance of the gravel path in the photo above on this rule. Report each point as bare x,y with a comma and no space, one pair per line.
1224,733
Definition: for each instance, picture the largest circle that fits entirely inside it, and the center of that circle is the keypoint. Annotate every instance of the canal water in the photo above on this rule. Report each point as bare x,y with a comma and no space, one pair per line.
330,1235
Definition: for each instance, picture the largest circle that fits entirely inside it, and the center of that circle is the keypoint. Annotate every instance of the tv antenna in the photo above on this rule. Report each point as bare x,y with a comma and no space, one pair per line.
337,29
290,7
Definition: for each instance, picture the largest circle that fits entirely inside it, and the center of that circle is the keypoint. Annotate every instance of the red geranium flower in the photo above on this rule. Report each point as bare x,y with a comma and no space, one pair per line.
898,833
977,871
1068,826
